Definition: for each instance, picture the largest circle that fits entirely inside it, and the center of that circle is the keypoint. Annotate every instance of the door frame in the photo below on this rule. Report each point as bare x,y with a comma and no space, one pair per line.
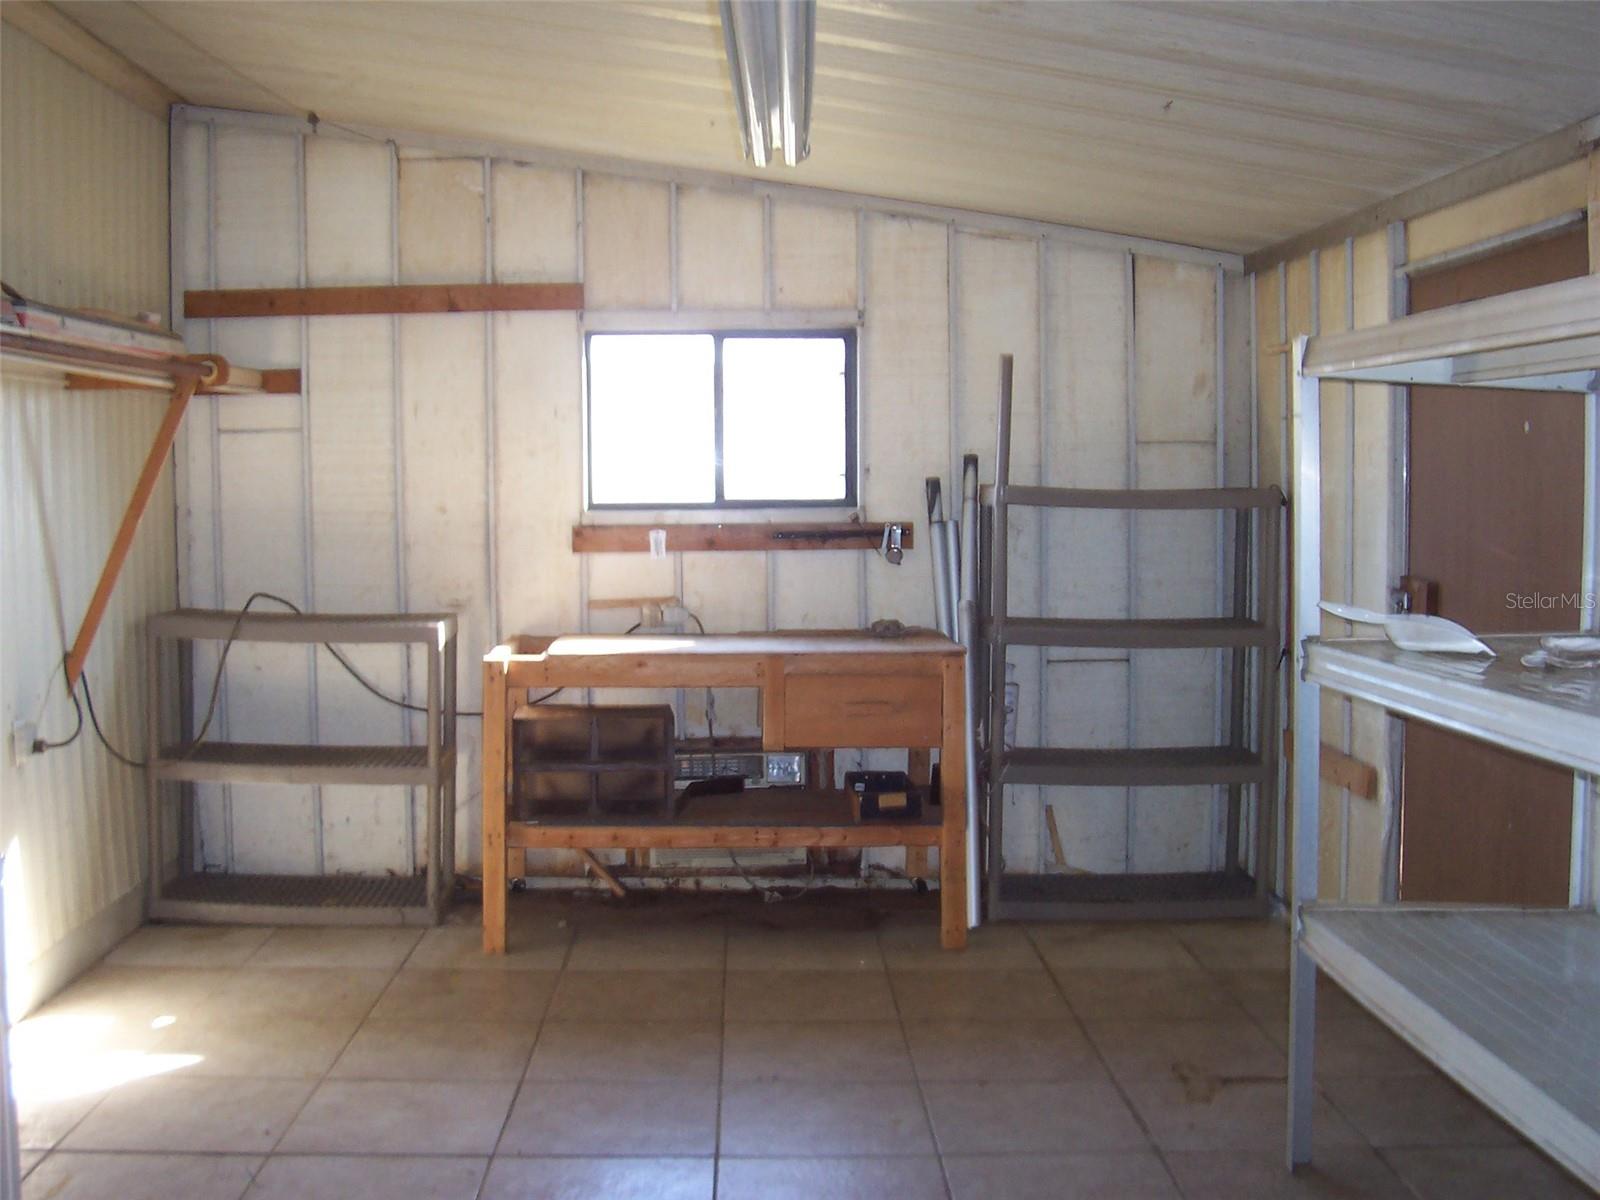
1583,882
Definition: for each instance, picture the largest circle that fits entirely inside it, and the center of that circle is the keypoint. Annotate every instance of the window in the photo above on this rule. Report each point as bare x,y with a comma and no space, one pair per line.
708,420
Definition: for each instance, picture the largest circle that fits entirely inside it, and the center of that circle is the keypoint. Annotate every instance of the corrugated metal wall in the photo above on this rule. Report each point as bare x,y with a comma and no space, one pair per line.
436,461
84,208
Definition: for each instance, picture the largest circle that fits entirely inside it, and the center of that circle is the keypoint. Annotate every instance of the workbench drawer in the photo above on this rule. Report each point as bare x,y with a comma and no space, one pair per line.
862,711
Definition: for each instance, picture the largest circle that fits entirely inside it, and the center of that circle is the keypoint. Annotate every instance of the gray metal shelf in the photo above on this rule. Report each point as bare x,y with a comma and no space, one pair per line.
181,893
1163,634
1165,766
1502,1000
1247,760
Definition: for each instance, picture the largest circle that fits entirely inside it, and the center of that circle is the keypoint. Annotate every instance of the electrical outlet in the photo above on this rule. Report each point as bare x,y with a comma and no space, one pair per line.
23,735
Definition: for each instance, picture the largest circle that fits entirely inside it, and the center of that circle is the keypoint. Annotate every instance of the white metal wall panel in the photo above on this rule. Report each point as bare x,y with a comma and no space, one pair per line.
406,483
83,221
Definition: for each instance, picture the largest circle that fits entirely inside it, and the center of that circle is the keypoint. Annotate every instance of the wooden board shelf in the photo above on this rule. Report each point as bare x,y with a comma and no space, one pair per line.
754,535
401,299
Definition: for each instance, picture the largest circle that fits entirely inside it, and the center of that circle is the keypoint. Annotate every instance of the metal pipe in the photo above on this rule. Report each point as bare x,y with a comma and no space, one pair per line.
968,628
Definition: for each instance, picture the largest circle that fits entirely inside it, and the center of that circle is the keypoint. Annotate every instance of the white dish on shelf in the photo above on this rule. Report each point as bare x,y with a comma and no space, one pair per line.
1413,631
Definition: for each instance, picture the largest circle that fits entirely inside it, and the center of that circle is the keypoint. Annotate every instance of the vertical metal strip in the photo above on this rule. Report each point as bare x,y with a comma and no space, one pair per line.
490,415
1130,807
1255,604
308,524
402,578
1307,517
1221,795
1346,708
863,401
1041,516
583,457
1581,884
219,582
1399,550
769,289
1285,693
672,246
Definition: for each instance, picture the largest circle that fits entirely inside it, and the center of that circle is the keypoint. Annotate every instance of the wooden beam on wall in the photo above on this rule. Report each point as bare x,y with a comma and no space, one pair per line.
1340,769
275,381
403,299
45,24
635,539
1533,158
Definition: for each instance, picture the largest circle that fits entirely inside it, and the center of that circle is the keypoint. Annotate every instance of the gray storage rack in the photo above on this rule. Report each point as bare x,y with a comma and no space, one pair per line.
188,895
1248,759
1503,1000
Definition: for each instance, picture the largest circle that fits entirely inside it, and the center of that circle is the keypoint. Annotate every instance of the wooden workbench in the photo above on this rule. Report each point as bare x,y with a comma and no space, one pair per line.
819,691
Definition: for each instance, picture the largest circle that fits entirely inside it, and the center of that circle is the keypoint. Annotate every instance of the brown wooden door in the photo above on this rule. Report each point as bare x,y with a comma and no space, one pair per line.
1496,512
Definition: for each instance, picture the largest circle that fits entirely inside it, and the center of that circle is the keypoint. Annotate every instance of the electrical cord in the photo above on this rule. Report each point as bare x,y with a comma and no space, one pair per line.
41,745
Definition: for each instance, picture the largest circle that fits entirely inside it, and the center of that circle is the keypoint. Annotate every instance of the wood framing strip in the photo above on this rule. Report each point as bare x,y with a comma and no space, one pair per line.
635,539
683,836
1340,769
403,299
281,381
155,462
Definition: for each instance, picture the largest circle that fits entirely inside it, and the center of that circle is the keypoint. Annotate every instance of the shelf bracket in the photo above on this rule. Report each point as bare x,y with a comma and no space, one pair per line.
182,393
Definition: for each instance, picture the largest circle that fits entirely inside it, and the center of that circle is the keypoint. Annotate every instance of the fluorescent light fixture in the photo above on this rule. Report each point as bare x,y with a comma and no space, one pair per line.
771,52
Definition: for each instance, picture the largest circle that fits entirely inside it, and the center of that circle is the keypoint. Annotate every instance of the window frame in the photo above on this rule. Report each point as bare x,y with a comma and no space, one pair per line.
848,335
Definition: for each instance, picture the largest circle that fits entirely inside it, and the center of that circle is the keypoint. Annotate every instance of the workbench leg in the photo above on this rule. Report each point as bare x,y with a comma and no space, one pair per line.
952,796
495,801
919,766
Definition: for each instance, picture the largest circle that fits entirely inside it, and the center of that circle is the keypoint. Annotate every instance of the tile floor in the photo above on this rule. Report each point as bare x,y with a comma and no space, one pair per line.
680,1048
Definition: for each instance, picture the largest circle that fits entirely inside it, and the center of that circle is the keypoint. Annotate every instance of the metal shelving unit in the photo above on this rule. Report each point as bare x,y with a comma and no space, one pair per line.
189,895
1247,760
1503,1000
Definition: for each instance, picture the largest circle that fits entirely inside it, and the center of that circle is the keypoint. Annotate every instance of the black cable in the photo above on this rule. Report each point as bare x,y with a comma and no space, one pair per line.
94,719
40,745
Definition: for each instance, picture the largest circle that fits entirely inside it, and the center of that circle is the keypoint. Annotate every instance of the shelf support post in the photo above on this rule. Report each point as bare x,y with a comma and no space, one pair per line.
182,392
1305,794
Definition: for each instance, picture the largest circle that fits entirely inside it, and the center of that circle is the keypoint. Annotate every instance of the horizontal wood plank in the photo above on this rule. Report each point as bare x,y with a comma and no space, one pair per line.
1340,769
376,300
278,381
715,837
635,539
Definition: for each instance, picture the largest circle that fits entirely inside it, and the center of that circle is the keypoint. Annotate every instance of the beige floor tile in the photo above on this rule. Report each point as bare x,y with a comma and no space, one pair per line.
306,993
638,996
1206,1114
1132,1175
613,1119
1484,1173
363,1117
597,1178
913,945
346,948
860,1051
500,997
288,1048
216,1116
804,950
1342,1173
73,1176
1237,944
1356,1044
43,1120
1147,995
1420,1110
621,1051
1030,1118
462,1050
1233,1048
1264,994
529,947
1127,947
189,946
809,996
834,1178
365,1177
1000,995
621,948
119,1003
823,1119
1000,1050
